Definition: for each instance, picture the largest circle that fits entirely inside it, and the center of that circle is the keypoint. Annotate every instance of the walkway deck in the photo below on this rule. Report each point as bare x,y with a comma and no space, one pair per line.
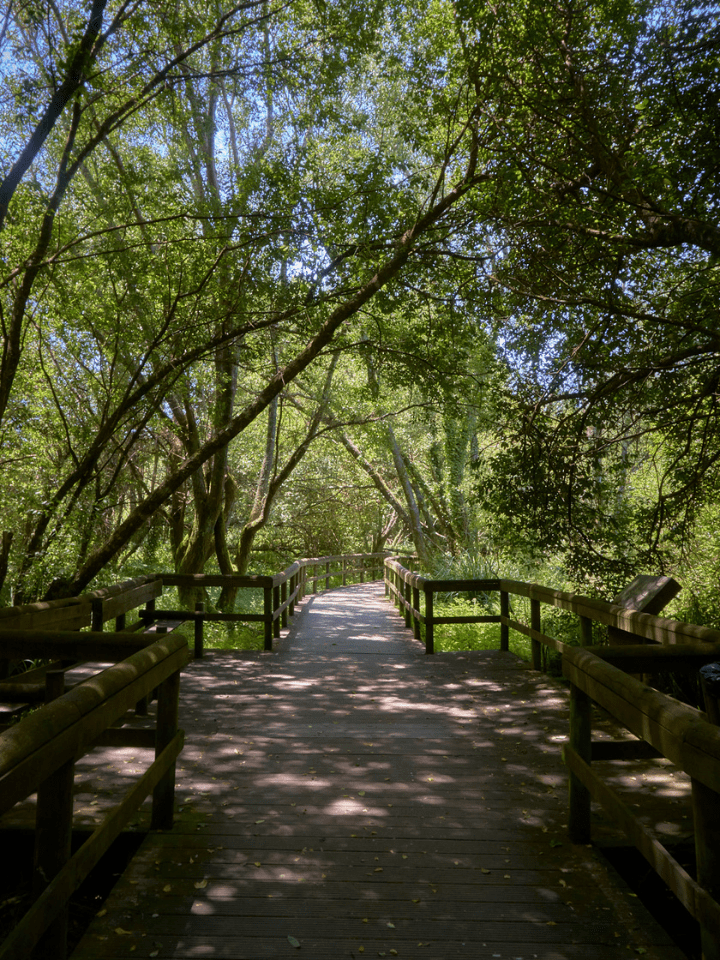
347,796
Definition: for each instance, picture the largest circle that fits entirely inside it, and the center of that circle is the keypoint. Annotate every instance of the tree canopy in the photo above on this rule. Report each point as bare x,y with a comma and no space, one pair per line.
321,275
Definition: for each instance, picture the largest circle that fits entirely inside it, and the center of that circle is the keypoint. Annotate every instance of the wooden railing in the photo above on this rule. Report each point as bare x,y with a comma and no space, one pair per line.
281,591
404,587
663,726
38,754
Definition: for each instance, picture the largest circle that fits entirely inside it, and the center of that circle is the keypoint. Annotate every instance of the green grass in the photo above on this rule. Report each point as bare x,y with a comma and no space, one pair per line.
226,636
471,636
233,636
486,636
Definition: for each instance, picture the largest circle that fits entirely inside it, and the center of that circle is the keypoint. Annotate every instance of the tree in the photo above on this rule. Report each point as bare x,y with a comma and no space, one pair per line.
602,286
307,203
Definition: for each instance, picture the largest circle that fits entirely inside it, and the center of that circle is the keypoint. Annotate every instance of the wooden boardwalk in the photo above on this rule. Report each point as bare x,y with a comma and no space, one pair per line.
346,796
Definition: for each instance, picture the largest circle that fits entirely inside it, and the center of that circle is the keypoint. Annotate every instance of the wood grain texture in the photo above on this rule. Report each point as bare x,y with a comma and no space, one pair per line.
347,791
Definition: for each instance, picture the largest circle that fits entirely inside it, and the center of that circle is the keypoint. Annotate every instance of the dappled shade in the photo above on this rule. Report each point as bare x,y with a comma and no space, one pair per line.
348,791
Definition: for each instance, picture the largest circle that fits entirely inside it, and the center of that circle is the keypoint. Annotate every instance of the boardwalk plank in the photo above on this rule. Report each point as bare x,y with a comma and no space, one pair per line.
347,778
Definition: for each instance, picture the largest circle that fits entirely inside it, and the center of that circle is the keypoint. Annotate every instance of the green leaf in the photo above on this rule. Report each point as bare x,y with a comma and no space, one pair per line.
294,942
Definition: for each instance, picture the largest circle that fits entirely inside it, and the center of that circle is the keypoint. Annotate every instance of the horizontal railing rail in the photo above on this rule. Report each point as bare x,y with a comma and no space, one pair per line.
600,674
281,591
38,754
404,587
670,729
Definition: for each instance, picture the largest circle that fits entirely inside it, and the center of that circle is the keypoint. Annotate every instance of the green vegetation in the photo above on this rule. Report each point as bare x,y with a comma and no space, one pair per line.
283,280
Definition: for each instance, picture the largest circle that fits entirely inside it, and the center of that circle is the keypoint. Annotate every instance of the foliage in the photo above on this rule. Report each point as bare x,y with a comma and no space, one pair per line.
303,278
602,290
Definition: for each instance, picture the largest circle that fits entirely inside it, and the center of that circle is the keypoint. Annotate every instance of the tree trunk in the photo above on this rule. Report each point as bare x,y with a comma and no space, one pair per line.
413,511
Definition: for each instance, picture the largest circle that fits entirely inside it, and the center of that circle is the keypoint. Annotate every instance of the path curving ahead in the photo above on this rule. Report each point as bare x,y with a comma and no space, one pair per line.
346,796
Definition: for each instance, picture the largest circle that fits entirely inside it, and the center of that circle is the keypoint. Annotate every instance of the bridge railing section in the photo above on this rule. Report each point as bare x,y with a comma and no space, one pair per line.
342,569
662,726
38,755
280,591
405,587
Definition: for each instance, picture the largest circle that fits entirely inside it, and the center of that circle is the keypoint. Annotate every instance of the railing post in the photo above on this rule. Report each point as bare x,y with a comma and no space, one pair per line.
504,612
416,616
275,605
535,646
429,623
96,622
283,600
362,568
267,613
586,637
580,742
344,571
53,834
294,584
149,609
199,630
707,855
386,579
315,569
327,575
407,595
166,729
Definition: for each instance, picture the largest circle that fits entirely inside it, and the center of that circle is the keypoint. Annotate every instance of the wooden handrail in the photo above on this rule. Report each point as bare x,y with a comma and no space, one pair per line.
664,727
281,591
674,730
39,753
403,586
32,749
657,630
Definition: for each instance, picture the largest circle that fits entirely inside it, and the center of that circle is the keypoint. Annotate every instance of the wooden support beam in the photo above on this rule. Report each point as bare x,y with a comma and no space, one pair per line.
580,743
199,631
166,731
53,835
536,625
